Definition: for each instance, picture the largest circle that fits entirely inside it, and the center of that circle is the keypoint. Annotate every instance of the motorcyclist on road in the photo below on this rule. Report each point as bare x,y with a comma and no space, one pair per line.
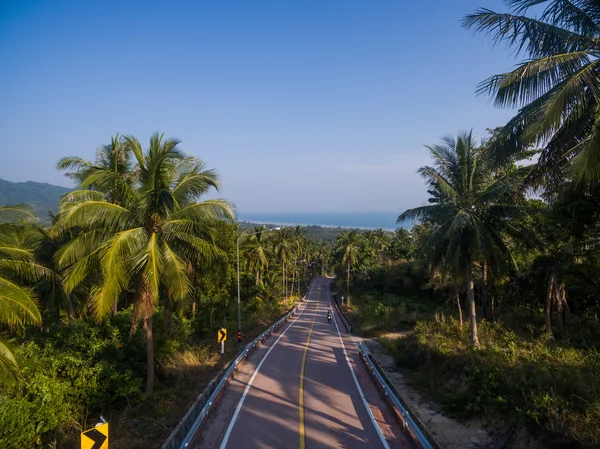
329,316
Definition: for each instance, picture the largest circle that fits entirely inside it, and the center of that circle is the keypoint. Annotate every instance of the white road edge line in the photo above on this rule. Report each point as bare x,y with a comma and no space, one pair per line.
239,406
360,392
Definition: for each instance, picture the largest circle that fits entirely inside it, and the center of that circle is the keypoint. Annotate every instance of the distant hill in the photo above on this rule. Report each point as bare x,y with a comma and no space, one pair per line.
40,196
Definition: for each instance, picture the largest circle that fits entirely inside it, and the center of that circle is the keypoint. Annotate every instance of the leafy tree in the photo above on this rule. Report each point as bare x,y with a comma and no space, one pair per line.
147,242
468,211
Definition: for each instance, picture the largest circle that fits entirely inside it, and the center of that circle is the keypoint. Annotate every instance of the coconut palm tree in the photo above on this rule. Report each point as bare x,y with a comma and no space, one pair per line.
381,241
401,244
283,248
18,303
469,210
299,252
557,87
348,247
147,242
112,172
257,250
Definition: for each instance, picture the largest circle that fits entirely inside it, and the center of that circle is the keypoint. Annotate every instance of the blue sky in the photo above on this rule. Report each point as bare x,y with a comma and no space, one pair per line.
299,105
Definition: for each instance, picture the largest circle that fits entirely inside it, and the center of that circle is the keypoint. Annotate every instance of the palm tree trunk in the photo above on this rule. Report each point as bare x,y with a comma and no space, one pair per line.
348,279
70,306
286,284
134,320
472,309
149,356
460,317
293,280
485,298
549,295
194,294
561,305
283,278
492,302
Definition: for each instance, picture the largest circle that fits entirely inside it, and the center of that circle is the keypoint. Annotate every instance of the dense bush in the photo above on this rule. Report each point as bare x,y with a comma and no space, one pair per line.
547,385
68,375
380,313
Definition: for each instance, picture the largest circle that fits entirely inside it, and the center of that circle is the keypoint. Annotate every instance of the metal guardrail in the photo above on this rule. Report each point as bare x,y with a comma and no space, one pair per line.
340,311
389,394
189,424
407,421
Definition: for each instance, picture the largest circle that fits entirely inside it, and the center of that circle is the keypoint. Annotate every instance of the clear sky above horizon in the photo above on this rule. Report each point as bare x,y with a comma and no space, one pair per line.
299,105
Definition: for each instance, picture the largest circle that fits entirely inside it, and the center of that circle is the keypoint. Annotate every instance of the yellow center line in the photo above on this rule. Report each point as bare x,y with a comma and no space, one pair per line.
301,393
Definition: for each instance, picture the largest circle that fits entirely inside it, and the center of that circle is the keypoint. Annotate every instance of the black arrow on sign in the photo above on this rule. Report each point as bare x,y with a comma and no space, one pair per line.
221,335
97,437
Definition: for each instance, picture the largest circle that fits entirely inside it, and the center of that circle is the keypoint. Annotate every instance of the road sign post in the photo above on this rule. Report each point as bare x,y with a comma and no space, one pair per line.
96,438
342,300
221,337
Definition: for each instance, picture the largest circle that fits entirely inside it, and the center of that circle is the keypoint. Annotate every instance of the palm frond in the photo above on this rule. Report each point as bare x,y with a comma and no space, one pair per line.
585,165
217,209
175,273
8,364
17,305
538,38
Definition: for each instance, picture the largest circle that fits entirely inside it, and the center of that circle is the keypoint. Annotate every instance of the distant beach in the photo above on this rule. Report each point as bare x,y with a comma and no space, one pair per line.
360,220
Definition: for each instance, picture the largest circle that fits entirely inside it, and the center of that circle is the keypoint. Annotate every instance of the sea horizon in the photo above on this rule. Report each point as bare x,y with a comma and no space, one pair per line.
347,220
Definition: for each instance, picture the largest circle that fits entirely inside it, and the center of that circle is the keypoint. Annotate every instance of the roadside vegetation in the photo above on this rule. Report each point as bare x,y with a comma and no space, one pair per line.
497,282
114,308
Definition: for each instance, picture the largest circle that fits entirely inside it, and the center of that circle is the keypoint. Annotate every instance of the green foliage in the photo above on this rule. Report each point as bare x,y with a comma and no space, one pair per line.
68,376
312,232
376,314
553,388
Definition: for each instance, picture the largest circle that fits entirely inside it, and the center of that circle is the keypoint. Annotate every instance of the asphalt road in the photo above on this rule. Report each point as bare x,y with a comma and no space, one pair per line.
304,391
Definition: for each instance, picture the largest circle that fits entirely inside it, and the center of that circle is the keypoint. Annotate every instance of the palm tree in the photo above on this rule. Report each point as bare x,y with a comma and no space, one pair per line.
317,254
347,246
557,87
401,244
381,242
257,250
147,242
469,211
298,250
283,249
18,303
111,173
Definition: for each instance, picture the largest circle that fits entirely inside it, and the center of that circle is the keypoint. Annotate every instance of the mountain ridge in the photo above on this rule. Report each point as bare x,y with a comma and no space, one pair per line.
41,196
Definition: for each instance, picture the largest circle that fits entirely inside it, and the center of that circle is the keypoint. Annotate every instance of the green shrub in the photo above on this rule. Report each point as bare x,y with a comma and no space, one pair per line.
66,377
546,385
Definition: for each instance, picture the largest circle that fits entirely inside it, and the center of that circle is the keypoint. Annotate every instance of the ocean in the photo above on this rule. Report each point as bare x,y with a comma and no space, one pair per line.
361,220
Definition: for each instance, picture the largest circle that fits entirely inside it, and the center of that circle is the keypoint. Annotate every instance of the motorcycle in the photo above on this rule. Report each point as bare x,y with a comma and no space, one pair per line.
329,318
